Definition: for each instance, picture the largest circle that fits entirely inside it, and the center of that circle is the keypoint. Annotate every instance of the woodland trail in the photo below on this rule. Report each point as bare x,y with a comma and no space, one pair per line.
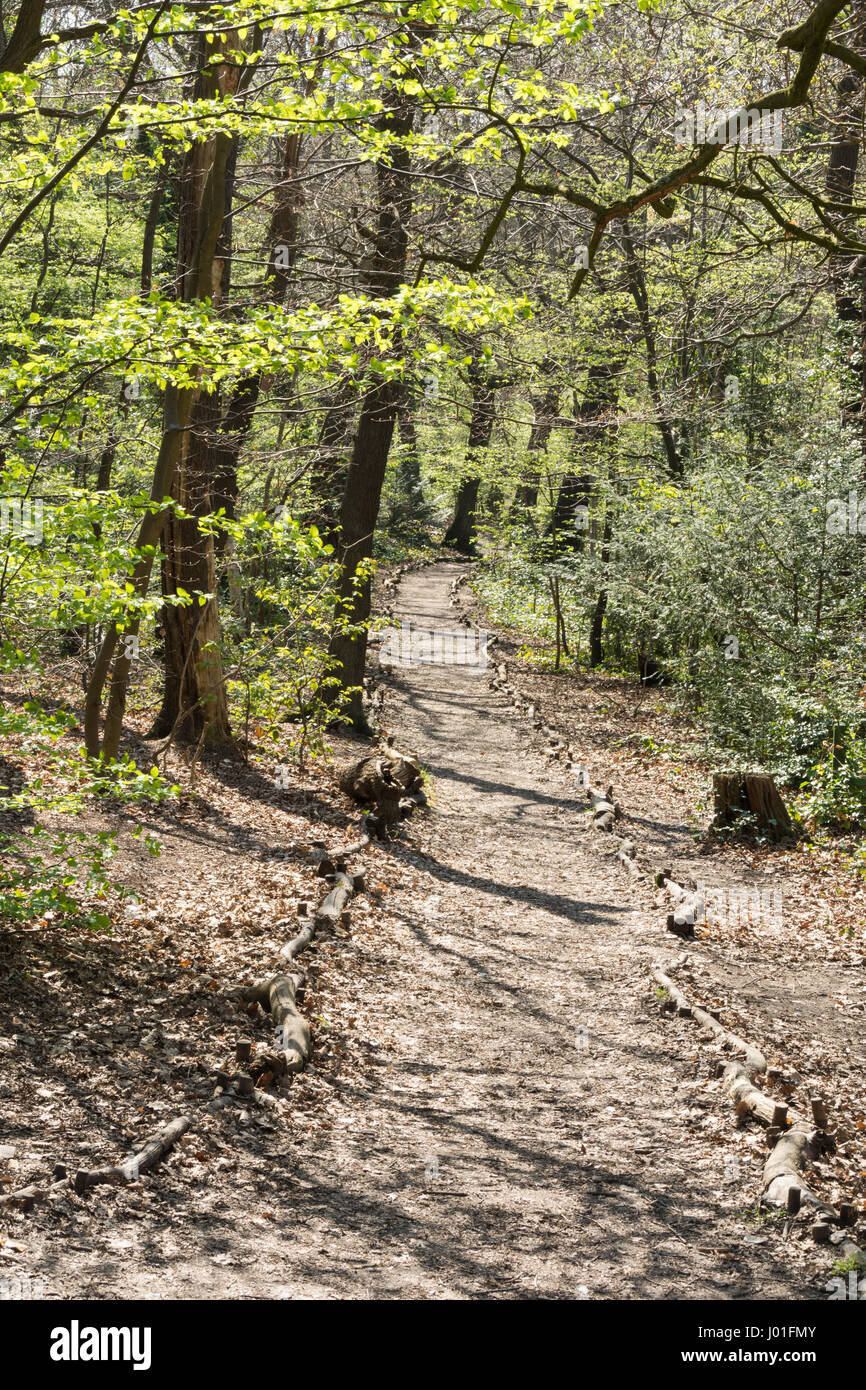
574,1142
522,1122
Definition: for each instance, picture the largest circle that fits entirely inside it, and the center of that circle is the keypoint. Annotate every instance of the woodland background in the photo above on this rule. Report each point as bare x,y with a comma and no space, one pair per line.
289,292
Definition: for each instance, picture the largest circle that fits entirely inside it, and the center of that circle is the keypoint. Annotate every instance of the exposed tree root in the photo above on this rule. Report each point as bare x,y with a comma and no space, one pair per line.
328,914
756,1062
131,1169
27,1197
277,996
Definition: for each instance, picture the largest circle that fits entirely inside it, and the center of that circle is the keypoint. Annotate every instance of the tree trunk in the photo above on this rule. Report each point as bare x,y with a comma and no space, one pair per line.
462,533
411,503
109,453
637,286
282,254
366,474
545,410
847,272
151,223
358,523
570,517
736,795
596,629
194,700
330,464
194,697
595,431
176,414
593,423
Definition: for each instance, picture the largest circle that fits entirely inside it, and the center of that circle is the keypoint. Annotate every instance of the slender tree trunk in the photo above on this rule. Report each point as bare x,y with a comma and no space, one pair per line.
412,503
358,523
109,453
545,410
597,432
330,464
637,286
593,421
848,273
237,419
175,420
366,474
151,223
596,628
462,531
194,697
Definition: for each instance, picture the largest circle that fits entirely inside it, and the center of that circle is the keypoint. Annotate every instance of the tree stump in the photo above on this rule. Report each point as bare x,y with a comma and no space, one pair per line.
384,779
737,794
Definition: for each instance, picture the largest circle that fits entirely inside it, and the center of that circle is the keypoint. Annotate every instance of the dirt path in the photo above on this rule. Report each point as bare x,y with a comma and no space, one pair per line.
518,1120
579,1151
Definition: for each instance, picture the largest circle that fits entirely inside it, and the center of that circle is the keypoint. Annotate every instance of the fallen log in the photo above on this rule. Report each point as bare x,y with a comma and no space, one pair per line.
131,1169
604,810
626,855
327,914
331,907
689,906
292,1031
749,1100
784,1186
736,1077
783,1171
333,861
27,1197
756,1062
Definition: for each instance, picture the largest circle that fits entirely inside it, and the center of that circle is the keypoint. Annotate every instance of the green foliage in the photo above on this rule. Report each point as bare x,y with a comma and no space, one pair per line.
47,869
834,793
704,511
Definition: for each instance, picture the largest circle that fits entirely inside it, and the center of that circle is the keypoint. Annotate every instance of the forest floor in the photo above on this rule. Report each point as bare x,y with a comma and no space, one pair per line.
496,1107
